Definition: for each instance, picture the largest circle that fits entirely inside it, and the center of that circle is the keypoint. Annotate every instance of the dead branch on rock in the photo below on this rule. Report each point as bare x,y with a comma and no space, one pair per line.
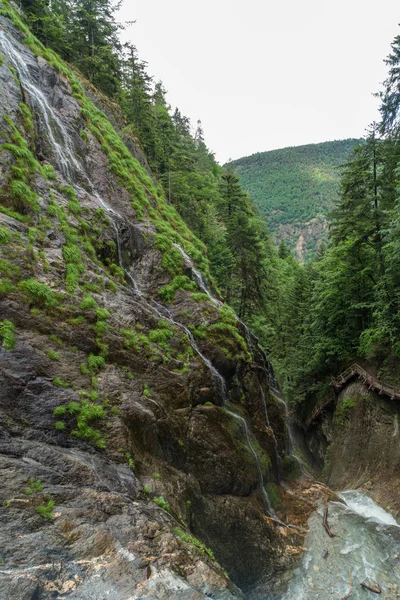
350,590
326,524
377,590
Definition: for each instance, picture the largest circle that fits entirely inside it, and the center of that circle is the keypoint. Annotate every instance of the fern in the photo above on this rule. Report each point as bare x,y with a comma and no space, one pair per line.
39,293
7,329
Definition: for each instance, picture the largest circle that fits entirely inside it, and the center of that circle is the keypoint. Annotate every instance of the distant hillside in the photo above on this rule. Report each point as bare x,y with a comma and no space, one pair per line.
295,188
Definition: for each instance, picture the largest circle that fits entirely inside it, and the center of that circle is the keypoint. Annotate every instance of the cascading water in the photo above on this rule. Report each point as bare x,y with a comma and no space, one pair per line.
63,149
274,440
292,447
201,283
198,276
243,425
64,156
365,549
219,381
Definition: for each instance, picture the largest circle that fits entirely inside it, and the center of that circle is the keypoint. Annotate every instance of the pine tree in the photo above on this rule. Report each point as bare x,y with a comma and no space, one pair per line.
95,43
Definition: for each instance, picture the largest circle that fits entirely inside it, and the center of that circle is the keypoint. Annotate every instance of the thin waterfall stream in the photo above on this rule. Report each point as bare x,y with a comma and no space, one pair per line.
274,440
198,276
244,426
65,159
366,547
292,445
63,149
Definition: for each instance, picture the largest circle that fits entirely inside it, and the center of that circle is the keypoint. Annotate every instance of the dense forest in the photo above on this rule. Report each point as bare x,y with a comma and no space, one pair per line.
310,318
292,186
344,305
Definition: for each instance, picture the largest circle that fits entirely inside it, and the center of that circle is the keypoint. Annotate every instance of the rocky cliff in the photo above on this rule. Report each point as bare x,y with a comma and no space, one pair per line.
139,444
357,443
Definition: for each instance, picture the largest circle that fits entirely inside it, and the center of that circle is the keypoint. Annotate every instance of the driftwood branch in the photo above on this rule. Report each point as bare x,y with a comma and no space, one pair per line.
350,590
325,523
375,590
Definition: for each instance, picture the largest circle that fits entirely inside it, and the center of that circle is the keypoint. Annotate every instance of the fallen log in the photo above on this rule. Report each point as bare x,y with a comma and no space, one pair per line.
326,524
377,590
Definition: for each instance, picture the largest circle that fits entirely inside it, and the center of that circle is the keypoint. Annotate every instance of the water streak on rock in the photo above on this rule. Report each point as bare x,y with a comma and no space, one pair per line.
63,149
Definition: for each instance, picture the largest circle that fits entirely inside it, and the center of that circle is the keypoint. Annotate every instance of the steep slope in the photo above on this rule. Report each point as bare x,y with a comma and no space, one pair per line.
356,439
295,188
134,406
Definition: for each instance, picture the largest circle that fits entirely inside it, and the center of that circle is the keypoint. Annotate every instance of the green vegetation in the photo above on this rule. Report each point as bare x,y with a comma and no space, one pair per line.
96,363
38,293
294,185
180,282
35,486
58,382
345,304
312,319
5,236
273,494
83,413
190,539
343,408
7,334
200,194
147,392
162,503
130,460
46,510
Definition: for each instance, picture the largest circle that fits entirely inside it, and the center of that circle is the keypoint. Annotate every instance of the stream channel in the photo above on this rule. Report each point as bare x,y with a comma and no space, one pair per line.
365,549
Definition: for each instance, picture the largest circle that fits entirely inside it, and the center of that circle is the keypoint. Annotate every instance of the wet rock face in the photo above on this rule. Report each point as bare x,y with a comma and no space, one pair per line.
360,445
114,452
105,539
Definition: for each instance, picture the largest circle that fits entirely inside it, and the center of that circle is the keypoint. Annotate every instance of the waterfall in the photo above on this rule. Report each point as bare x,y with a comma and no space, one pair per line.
243,425
65,159
198,276
201,283
291,445
217,378
62,147
274,440
63,152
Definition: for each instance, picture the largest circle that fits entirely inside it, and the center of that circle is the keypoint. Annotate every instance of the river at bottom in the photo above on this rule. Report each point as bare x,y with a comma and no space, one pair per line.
366,548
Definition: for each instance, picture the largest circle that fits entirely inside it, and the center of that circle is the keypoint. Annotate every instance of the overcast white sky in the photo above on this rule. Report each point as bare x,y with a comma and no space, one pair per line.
265,74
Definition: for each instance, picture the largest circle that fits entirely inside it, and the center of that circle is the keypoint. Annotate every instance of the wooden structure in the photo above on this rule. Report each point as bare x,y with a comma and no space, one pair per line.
337,383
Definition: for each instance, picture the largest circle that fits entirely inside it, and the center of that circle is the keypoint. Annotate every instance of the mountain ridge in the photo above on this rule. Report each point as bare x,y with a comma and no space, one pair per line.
294,188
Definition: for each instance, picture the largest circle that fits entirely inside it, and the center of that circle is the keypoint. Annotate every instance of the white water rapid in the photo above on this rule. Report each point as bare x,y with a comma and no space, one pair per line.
365,549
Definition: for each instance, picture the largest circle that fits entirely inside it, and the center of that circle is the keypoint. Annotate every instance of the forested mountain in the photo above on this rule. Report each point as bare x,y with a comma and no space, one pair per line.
295,188
344,306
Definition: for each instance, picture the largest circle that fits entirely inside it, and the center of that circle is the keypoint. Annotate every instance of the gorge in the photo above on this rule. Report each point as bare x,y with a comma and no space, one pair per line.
146,450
